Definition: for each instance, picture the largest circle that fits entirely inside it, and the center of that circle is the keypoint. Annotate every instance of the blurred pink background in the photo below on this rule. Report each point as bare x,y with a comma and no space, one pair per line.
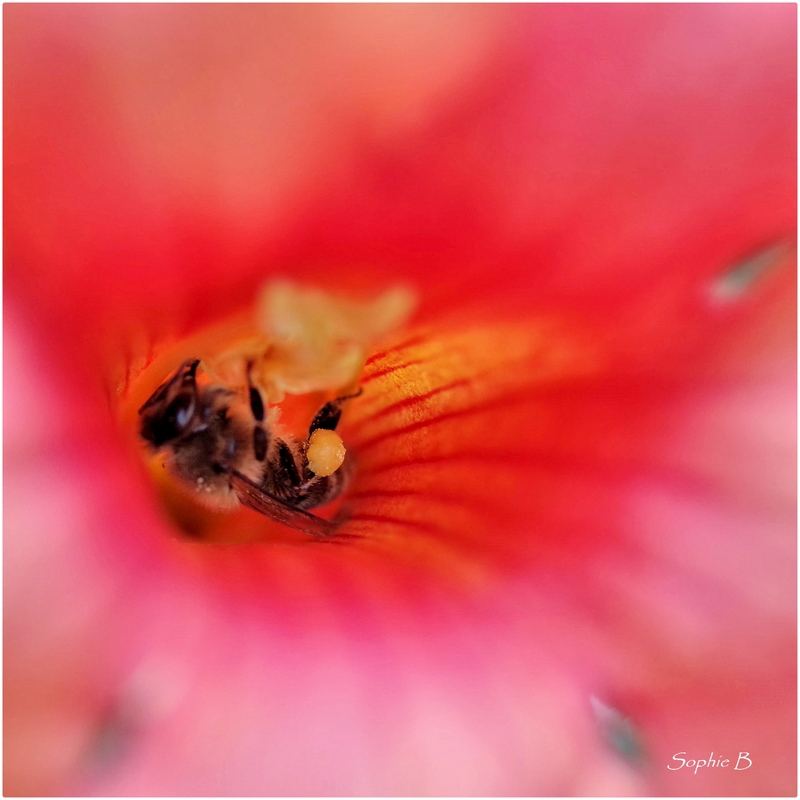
594,568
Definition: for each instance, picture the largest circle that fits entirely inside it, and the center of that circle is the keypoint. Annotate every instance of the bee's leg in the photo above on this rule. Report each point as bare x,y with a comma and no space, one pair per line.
292,471
256,401
317,490
321,490
328,416
260,437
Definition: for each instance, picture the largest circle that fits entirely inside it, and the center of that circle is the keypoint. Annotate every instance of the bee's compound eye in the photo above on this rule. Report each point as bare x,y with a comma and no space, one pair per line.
179,412
164,426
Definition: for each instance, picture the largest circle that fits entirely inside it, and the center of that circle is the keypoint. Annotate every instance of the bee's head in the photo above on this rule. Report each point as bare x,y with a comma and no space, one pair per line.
172,408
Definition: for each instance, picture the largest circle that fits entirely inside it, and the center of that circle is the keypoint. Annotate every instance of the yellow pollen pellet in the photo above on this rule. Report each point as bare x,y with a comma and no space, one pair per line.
325,452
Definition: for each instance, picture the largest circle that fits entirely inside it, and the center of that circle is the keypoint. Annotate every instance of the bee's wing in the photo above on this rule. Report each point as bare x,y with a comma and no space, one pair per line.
253,497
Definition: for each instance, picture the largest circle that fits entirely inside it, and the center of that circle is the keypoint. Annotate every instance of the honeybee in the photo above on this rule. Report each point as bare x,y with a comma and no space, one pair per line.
225,447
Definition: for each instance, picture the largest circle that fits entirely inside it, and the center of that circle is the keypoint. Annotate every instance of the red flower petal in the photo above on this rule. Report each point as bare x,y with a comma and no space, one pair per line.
576,495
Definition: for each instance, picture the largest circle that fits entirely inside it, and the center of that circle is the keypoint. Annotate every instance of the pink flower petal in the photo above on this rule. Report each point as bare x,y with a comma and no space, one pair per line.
576,497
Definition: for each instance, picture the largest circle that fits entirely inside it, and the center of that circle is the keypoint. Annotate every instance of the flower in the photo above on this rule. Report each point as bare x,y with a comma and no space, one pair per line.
575,502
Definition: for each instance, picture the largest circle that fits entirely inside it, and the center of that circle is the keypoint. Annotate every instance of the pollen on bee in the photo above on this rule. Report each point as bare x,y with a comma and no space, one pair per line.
325,452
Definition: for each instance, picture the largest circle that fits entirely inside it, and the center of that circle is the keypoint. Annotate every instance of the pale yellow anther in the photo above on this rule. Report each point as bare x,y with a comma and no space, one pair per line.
325,452
320,342
308,341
